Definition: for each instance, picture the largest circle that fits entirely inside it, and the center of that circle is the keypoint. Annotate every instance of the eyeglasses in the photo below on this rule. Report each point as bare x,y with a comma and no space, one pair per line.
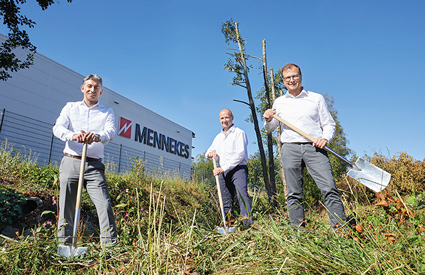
294,77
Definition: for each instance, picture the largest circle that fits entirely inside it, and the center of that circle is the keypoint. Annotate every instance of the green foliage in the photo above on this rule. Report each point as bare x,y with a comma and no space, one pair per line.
235,63
45,176
202,170
10,12
166,226
20,166
407,174
255,172
131,195
228,29
13,163
279,89
10,205
339,143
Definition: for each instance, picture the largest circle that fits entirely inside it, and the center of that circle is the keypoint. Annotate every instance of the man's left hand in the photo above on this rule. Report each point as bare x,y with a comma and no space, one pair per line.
88,137
320,143
218,171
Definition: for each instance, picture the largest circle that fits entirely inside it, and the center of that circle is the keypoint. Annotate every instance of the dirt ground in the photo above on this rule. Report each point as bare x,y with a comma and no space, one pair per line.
37,203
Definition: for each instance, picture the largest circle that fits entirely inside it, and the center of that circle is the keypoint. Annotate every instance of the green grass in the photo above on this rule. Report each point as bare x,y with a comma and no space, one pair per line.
166,226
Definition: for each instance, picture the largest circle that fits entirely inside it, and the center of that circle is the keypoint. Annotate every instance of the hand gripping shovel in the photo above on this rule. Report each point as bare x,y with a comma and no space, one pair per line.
366,173
226,229
69,251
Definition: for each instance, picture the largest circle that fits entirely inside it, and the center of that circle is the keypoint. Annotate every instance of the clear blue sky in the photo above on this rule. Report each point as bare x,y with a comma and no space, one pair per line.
169,56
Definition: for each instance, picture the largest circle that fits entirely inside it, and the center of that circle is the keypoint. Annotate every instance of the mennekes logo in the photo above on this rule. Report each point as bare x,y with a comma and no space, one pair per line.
125,128
153,139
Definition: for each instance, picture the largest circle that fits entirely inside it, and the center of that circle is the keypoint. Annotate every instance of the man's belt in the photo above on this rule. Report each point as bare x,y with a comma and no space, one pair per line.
79,157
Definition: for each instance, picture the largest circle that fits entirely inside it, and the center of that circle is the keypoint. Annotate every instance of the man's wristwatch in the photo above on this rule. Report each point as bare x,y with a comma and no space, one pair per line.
97,138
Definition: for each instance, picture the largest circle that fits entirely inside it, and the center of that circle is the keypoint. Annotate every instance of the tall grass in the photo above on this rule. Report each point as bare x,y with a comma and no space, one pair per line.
167,226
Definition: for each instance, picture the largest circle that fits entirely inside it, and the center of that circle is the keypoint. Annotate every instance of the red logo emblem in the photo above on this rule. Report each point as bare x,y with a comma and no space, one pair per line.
125,128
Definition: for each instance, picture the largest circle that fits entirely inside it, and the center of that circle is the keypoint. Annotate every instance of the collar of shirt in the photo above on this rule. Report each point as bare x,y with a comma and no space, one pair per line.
303,93
97,105
230,130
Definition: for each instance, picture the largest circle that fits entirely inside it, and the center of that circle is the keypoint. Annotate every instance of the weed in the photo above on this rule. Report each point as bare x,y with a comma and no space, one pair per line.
166,226
10,205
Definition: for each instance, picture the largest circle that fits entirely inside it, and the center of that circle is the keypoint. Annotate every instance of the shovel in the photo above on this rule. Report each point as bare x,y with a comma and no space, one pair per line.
366,173
69,251
226,229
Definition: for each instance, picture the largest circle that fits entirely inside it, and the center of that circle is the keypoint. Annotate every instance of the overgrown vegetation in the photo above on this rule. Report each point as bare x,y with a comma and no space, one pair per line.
166,226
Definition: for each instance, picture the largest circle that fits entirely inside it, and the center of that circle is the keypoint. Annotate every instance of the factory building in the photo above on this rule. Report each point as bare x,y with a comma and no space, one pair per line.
32,99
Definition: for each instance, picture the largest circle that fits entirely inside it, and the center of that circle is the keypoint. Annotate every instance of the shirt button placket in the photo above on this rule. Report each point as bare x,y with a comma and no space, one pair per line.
88,120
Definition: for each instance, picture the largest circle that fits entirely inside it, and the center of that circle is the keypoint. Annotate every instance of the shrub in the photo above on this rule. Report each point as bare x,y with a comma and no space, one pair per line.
45,176
407,174
10,205
13,163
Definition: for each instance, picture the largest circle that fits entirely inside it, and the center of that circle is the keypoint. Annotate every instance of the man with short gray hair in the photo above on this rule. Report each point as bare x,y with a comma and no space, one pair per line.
85,121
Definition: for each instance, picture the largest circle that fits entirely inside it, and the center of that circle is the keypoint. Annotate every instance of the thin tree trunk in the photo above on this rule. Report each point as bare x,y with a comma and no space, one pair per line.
269,135
254,117
279,133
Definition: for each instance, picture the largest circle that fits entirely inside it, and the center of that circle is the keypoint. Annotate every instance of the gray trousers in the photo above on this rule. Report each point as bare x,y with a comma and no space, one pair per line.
297,156
97,188
235,182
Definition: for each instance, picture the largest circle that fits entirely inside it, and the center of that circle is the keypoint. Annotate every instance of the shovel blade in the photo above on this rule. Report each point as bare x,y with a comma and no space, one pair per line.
370,176
69,251
226,230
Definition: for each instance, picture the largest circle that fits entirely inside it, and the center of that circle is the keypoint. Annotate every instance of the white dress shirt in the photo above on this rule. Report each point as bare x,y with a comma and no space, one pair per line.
308,112
231,148
76,116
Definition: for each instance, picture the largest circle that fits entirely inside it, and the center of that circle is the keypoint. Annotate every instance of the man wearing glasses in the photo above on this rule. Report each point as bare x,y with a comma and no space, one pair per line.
307,111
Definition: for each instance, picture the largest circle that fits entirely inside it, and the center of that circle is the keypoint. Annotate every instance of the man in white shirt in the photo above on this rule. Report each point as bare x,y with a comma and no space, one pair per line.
85,121
230,146
308,112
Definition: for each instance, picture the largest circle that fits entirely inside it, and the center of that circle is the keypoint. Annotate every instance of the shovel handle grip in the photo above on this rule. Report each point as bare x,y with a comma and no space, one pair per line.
312,139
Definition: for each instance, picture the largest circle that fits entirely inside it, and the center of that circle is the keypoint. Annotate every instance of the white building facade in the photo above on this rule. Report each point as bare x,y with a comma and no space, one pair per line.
32,99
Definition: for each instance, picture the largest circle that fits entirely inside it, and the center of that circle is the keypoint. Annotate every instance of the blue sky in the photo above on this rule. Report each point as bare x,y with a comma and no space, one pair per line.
169,56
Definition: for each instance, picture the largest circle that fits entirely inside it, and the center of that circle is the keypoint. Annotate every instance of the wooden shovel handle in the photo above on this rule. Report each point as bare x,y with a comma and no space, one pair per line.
218,185
304,134
81,177
312,139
